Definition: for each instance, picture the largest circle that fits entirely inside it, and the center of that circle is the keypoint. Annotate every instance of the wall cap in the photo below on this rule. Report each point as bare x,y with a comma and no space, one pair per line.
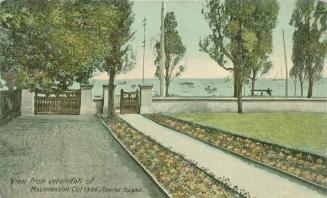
106,86
85,86
146,86
235,99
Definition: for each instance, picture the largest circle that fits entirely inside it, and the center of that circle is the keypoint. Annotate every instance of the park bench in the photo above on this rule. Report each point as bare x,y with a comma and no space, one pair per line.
269,91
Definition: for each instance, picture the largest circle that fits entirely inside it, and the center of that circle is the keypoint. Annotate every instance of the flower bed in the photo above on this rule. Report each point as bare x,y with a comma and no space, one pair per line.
182,178
304,165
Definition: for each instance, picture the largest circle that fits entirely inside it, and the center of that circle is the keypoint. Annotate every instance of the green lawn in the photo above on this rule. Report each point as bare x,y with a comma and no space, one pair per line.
305,131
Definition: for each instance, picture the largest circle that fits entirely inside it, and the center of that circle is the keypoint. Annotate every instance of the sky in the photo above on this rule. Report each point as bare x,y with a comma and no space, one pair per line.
192,26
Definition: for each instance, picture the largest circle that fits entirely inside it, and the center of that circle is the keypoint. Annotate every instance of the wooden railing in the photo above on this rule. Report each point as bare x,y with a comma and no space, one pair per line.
10,105
60,102
129,102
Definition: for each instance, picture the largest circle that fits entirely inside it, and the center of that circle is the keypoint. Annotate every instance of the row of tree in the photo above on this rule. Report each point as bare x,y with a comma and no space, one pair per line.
51,44
309,19
241,36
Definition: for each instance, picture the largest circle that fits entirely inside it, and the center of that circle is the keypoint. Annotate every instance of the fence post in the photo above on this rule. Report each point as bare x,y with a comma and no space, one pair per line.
146,99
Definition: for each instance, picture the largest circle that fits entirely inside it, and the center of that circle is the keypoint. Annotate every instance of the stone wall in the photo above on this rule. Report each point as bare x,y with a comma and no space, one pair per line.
214,104
190,104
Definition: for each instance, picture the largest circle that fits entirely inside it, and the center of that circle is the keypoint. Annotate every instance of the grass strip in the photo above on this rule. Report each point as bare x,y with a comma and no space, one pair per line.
307,166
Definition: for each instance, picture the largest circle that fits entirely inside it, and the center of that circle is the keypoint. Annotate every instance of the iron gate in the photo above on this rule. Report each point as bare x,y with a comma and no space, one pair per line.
57,102
129,102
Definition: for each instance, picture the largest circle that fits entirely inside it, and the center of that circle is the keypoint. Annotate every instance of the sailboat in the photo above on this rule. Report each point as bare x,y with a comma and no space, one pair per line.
275,78
210,89
278,77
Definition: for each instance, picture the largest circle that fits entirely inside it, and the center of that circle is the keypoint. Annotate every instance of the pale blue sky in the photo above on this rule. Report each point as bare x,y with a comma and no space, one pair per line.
192,26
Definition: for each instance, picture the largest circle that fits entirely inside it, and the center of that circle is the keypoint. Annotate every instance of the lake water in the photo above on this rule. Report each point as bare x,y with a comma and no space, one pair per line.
218,87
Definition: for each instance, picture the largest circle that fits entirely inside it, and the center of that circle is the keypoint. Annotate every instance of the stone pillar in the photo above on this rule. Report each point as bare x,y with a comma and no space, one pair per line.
106,96
146,98
88,107
27,107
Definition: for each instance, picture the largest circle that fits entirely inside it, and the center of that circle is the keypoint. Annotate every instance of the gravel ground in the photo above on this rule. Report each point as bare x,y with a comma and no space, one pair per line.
75,150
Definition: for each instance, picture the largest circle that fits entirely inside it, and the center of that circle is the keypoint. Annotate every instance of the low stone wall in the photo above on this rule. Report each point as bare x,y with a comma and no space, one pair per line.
215,104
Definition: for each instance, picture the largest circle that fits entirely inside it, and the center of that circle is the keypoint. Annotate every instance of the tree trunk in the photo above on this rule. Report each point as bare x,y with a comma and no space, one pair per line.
295,87
310,88
310,79
253,86
239,97
301,85
239,83
167,80
235,83
111,97
167,86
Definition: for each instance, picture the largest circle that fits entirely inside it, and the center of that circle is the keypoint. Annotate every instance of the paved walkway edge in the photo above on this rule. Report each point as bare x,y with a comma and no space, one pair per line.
317,187
162,189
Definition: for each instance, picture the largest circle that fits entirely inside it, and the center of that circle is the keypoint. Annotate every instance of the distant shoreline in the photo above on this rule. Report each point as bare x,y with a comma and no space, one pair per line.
201,79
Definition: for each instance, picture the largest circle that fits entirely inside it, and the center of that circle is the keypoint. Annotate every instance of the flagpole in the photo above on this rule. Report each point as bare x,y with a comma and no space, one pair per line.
286,73
162,49
144,25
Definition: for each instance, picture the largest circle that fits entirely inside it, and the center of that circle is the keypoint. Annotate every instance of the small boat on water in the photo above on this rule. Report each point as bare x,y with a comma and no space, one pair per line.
210,89
122,82
186,83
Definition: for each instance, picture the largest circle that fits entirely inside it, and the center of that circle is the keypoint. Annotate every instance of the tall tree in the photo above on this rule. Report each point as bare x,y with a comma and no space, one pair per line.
297,72
120,56
238,27
263,22
55,43
309,41
27,46
6,44
174,51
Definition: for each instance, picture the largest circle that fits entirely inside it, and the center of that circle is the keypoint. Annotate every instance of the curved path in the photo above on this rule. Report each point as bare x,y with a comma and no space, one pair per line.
63,147
257,180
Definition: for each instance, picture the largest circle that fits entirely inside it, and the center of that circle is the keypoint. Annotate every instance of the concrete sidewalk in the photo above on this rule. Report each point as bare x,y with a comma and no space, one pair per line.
257,180
66,147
